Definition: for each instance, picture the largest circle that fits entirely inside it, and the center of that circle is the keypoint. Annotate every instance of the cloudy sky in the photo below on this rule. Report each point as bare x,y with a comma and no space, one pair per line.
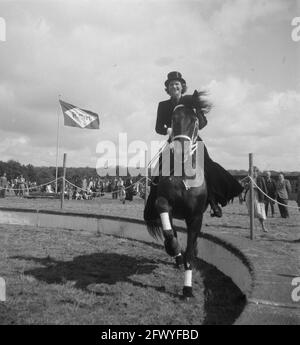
112,57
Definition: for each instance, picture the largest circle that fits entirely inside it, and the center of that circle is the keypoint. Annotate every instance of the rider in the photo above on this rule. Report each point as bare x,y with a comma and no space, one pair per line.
221,185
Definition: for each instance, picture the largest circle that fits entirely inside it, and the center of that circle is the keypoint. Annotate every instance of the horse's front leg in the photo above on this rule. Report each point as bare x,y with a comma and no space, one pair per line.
194,228
171,244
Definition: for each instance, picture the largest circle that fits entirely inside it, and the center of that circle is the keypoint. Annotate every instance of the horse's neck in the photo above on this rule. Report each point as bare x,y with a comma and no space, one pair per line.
193,157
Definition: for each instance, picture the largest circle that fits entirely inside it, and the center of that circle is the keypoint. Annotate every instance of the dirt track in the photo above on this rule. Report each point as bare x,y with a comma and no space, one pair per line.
67,277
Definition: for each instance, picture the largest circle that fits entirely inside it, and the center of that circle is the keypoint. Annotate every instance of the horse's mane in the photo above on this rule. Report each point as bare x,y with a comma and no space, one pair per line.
198,100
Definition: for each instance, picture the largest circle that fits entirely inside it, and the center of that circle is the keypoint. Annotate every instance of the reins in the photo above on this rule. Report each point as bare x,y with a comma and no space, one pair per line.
192,139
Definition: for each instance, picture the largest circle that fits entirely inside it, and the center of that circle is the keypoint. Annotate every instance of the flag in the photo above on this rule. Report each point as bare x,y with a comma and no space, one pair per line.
76,117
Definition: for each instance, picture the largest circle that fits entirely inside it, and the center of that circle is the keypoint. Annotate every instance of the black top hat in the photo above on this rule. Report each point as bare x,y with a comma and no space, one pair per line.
174,76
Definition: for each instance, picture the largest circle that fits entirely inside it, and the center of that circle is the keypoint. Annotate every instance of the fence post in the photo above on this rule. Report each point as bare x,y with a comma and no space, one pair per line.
251,197
146,176
62,195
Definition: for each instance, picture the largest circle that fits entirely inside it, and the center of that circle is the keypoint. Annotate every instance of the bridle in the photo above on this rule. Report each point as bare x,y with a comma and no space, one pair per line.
192,140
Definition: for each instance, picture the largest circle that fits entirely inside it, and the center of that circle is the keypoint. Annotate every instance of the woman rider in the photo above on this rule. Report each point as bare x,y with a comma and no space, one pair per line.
221,185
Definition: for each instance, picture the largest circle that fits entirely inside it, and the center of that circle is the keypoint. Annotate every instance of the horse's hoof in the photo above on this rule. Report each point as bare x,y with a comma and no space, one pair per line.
185,299
187,292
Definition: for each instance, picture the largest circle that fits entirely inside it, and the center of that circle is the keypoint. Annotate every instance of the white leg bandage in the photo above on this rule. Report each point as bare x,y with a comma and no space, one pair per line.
165,220
188,278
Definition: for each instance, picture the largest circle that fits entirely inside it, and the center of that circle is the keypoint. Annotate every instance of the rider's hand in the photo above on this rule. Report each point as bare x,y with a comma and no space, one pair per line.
169,131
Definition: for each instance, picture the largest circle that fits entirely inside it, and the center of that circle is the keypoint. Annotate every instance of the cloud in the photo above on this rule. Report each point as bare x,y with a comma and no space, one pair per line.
112,57
244,121
164,61
236,17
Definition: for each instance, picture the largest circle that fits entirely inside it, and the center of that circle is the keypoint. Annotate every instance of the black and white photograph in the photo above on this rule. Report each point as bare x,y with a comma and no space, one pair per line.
149,165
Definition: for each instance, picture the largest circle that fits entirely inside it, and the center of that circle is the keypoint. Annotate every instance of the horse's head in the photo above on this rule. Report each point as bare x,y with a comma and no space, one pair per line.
185,124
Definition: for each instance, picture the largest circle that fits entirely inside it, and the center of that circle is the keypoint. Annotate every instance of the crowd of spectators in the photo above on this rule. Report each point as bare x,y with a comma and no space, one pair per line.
94,187
85,189
269,191
18,186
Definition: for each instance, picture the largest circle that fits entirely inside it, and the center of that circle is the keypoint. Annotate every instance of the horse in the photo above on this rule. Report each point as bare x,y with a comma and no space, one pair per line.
172,198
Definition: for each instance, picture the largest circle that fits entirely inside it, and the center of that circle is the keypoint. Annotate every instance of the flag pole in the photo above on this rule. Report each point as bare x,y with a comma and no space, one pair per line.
57,139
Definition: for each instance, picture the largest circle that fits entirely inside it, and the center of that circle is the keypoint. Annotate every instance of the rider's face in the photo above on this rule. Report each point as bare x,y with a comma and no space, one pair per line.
175,89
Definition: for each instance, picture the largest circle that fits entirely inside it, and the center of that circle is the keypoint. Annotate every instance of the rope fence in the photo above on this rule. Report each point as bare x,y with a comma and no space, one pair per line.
87,190
47,183
277,202
33,187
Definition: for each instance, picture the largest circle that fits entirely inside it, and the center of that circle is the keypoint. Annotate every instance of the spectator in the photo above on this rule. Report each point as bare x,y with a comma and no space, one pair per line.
108,187
90,186
102,187
283,189
114,187
84,184
77,195
26,190
120,185
241,199
49,189
129,189
259,198
69,189
17,186
3,185
21,186
271,191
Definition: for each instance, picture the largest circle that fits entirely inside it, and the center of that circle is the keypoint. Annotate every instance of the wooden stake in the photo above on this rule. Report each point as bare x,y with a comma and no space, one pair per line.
251,197
146,177
62,195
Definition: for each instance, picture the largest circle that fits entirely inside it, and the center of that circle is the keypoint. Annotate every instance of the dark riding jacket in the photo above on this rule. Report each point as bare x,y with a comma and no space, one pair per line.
271,187
164,116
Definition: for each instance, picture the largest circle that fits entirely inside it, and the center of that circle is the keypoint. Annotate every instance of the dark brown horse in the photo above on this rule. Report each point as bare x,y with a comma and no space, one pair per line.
180,195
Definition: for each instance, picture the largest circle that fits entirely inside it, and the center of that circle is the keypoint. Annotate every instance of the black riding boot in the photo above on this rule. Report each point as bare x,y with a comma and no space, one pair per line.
216,210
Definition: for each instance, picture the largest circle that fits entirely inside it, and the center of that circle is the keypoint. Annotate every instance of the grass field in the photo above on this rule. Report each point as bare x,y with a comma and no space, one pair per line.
58,276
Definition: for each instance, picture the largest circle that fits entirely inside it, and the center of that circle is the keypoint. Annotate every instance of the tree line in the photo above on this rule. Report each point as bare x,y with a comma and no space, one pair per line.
42,175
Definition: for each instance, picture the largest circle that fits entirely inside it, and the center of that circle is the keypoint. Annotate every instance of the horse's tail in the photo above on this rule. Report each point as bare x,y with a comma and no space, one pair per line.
154,228
151,216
